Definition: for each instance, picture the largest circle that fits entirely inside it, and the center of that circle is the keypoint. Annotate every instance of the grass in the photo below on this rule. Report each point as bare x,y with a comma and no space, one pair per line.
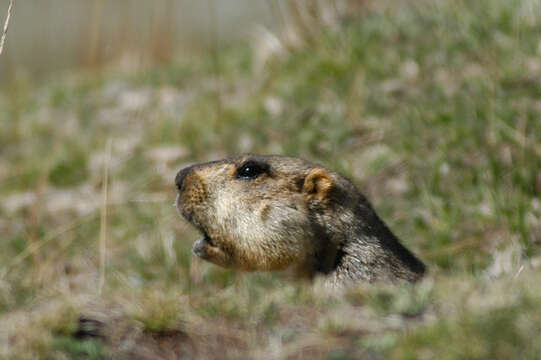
432,108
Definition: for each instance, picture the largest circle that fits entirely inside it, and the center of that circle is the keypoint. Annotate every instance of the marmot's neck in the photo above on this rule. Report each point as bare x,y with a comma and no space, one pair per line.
369,251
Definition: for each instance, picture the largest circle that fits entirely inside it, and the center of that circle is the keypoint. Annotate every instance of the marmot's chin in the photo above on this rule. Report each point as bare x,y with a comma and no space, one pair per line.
199,246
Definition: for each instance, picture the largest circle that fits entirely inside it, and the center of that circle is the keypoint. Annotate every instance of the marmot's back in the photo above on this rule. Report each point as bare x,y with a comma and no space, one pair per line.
273,212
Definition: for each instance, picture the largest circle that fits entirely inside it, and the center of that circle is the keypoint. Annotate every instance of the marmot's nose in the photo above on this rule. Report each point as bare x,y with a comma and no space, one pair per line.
181,175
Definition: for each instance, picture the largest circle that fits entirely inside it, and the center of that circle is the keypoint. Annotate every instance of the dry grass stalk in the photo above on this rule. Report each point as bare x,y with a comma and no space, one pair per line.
95,33
214,53
6,25
103,221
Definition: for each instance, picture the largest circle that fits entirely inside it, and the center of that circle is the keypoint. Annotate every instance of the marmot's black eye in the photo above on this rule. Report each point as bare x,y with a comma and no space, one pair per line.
251,170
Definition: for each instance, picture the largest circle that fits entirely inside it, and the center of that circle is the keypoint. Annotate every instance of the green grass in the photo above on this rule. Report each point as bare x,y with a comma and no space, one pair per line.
432,108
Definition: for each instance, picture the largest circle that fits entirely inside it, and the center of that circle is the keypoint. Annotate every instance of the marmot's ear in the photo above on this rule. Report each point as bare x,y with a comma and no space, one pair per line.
318,182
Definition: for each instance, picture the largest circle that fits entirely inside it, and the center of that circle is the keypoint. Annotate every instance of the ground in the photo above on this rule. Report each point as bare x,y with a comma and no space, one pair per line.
432,108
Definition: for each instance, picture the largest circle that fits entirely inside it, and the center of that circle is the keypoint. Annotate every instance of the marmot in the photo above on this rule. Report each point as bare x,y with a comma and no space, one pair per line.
266,213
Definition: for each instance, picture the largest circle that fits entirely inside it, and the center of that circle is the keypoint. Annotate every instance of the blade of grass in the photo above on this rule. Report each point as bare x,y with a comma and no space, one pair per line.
6,26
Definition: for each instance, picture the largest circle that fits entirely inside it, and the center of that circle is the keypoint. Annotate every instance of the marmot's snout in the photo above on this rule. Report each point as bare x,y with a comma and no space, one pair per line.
192,204
179,182
181,175
190,192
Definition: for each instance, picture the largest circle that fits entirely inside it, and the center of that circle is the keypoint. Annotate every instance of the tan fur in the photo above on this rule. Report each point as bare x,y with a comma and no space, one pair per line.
318,183
295,214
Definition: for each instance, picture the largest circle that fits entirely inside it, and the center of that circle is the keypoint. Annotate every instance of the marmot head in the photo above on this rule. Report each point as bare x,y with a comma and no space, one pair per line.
263,212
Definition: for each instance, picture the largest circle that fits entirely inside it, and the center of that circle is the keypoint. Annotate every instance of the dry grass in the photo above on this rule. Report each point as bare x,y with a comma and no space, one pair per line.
5,29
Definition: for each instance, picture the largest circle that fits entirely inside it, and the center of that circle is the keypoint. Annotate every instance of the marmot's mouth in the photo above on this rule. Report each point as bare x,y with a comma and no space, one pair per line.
206,238
199,246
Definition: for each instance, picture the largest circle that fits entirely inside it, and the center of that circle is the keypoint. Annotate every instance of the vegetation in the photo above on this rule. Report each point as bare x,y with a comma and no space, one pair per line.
432,108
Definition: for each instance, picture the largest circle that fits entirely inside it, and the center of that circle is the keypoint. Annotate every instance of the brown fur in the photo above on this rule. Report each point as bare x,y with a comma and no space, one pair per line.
293,214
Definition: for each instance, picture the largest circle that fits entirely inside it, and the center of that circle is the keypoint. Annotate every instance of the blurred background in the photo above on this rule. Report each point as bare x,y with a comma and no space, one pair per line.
431,107
53,36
